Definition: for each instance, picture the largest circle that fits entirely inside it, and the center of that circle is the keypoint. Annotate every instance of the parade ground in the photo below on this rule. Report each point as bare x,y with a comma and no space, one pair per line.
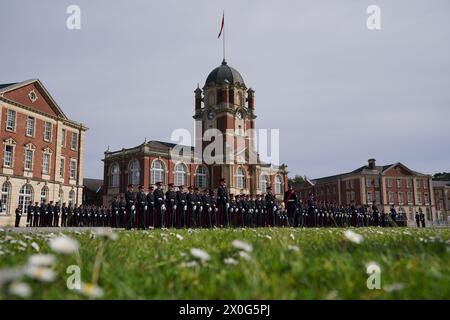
259,263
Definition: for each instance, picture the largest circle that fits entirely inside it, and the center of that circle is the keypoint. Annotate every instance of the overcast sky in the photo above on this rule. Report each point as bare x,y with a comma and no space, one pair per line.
338,92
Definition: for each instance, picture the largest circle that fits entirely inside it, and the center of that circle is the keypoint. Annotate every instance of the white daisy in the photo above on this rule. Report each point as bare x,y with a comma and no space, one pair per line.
35,246
189,264
92,291
293,248
106,234
230,261
242,245
20,289
200,254
64,245
40,273
244,255
353,236
292,236
41,260
179,236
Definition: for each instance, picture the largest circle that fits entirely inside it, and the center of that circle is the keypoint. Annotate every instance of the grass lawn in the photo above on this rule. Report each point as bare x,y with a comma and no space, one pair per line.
280,263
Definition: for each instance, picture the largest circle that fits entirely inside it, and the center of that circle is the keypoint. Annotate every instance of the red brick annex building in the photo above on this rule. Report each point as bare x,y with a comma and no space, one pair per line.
42,150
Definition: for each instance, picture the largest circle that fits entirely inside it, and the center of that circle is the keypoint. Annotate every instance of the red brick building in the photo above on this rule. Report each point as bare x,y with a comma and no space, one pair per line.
225,106
42,150
389,185
442,199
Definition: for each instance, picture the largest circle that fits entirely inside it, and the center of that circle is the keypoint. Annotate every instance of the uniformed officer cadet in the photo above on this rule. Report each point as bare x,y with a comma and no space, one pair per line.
207,211
394,215
182,209
64,215
222,202
56,214
30,215
18,216
215,209
115,213
422,219
291,204
141,200
199,207
417,219
130,199
159,205
44,213
36,214
171,205
150,215
271,207
231,210
375,215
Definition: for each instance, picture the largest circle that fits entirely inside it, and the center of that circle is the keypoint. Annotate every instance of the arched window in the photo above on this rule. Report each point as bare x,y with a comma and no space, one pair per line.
44,193
114,175
25,196
5,198
278,185
157,173
240,178
263,183
201,177
180,174
134,172
71,197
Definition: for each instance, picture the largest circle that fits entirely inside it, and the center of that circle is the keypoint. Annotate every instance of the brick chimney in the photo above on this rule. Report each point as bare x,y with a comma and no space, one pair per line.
371,163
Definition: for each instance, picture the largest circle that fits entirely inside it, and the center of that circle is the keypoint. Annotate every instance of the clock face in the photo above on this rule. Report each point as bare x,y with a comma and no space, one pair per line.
239,115
210,115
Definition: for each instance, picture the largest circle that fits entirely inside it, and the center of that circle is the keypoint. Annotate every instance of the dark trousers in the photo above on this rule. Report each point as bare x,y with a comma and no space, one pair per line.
17,222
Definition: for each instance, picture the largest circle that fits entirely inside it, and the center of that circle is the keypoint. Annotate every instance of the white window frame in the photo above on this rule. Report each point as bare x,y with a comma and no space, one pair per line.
62,167
278,184
11,116
134,172
180,172
46,162
8,158
63,137
157,171
48,128
31,124
73,169
240,178
201,177
28,161
44,193
73,140
263,182
5,194
114,181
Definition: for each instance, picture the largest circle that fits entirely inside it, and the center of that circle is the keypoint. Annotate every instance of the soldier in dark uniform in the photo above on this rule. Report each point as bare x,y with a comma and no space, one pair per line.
171,205
18,216
115,213
160,206
417,219
141,200
150,215
130,199
422,219
64,215
191,207
181,208
271,208
43,213
207,209
222,202
56,214
51,213
231,210
36,214
214,208
122,212
394,215
199,207
375,215
30,214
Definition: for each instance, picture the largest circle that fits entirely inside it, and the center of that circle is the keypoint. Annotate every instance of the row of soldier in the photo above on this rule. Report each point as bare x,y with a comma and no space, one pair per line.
179,209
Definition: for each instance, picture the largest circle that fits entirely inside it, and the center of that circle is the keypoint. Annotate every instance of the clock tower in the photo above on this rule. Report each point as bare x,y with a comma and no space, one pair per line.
225,104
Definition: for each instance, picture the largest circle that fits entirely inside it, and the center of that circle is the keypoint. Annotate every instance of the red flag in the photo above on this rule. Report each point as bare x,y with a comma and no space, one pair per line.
221,27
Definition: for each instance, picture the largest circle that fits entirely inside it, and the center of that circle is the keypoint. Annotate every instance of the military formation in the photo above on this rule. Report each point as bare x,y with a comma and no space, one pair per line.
205,209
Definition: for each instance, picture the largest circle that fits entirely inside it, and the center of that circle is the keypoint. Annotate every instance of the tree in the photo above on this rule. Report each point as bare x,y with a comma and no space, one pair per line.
296,180
441,176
